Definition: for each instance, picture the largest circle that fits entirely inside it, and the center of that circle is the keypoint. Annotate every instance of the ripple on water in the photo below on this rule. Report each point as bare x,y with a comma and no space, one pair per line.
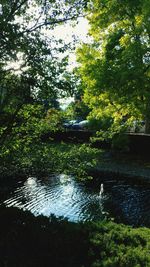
64,196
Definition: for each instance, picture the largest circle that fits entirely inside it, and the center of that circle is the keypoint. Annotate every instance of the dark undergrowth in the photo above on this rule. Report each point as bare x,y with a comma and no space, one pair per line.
28,241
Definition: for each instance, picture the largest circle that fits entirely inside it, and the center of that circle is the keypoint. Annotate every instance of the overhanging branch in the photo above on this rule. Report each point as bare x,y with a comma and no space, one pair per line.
51,23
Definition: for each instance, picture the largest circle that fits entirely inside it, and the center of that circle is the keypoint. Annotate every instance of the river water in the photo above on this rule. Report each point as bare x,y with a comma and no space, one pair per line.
62,195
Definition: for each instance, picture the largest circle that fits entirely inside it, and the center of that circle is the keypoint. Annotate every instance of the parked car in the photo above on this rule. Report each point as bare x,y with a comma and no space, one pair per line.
76,125
83,124
80,125
69,124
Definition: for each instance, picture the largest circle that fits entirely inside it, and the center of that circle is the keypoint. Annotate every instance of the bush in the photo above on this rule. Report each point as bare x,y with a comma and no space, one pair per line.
38,241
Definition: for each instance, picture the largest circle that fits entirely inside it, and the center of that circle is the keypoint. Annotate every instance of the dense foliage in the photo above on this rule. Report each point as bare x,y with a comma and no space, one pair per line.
23,152
32,61
115,65
37,241
33,75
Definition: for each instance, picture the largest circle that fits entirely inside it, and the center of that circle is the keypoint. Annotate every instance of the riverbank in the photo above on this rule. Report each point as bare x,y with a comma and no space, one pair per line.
126,165
76,159
133,163
28,241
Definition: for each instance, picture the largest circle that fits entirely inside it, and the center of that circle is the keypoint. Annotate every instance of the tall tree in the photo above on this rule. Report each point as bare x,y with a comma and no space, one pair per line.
23,26
115,66
30,68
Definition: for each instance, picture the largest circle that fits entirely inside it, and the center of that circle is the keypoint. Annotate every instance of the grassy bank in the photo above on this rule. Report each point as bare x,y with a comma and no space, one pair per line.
26,240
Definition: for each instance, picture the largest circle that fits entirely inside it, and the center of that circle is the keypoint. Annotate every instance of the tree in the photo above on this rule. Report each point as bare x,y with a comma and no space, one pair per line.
115,66
24,39
77,110
40,74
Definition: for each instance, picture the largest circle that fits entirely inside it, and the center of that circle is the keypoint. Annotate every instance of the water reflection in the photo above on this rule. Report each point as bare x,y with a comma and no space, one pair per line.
64,196
60,195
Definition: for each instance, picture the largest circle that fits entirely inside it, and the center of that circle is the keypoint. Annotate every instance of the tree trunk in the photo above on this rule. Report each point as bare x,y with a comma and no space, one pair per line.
147,117
147,125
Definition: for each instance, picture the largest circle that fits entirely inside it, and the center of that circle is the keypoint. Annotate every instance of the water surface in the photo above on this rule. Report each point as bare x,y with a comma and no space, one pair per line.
62,195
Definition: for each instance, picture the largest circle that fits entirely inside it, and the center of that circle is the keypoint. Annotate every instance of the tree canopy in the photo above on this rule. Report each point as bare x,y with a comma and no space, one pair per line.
31,68
24,40
115,66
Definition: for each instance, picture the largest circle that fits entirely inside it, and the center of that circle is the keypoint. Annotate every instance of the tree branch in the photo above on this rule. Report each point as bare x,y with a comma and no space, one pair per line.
15,8
50,23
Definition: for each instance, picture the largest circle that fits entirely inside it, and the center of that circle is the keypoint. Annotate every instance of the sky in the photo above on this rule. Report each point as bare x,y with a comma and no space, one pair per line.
66,32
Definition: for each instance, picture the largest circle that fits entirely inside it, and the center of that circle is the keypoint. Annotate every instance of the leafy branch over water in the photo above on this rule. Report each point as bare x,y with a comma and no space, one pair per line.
23,152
